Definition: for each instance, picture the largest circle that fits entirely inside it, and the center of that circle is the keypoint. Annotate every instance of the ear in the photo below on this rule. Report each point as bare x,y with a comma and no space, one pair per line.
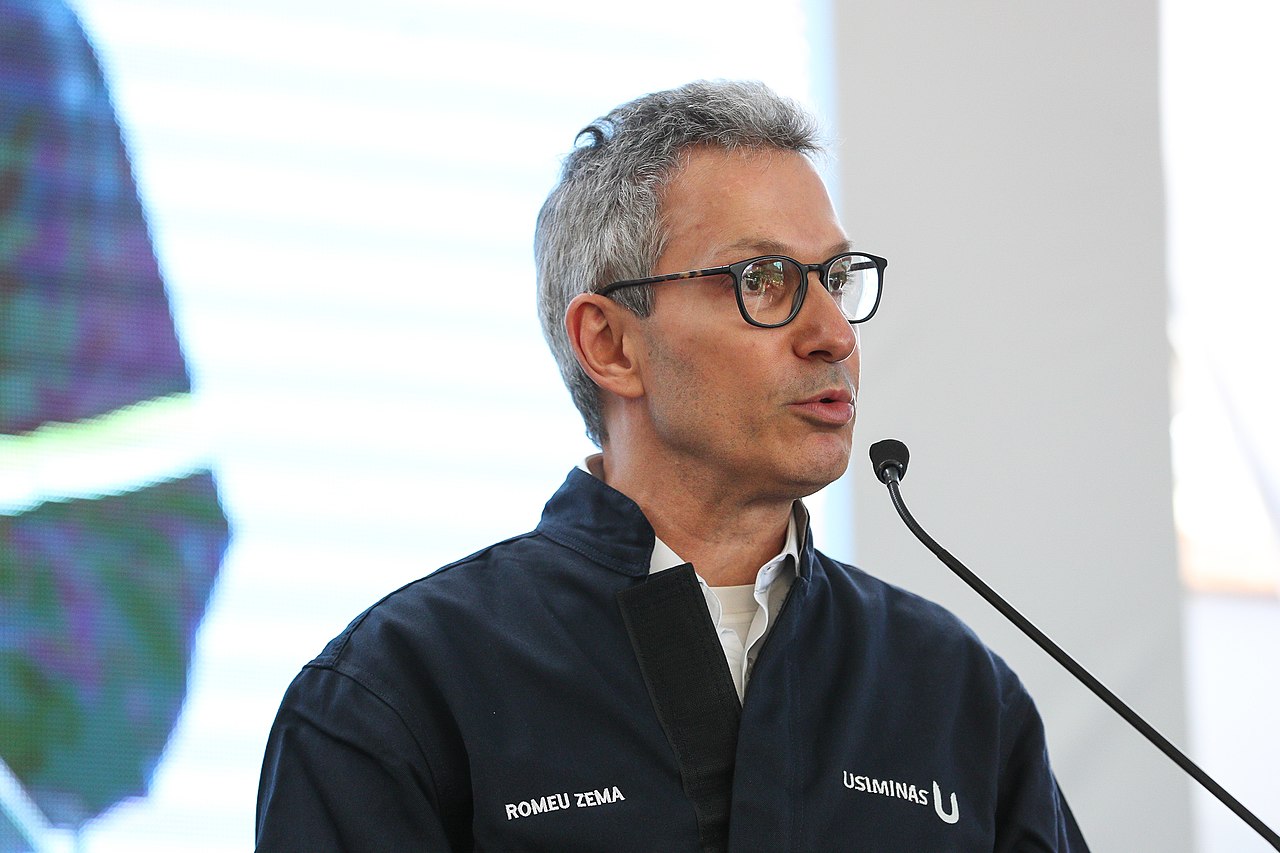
604,336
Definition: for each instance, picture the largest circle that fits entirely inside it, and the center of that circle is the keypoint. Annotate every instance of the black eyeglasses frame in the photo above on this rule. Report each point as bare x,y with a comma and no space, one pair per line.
736,269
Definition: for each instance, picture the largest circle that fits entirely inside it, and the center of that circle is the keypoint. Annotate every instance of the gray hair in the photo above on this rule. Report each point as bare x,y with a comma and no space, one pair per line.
600,223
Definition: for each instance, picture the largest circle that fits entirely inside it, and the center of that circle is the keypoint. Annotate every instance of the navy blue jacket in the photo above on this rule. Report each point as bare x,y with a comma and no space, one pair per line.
549,694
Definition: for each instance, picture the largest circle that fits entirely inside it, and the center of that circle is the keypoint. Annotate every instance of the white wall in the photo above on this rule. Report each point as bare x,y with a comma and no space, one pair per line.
1005,158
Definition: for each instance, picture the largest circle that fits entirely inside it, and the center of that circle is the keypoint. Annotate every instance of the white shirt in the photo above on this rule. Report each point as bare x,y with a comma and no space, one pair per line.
741,627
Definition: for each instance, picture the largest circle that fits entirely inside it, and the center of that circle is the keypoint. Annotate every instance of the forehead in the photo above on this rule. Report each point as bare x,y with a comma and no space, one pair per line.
720,203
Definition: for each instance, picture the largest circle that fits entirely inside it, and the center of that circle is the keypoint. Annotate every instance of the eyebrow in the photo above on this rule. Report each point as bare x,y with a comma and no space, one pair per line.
764,246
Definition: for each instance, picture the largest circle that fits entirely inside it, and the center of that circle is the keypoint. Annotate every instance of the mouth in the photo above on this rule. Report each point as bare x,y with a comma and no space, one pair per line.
830,395
831,406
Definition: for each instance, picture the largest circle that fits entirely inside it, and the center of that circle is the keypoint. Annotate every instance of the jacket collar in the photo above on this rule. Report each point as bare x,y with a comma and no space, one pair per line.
602,524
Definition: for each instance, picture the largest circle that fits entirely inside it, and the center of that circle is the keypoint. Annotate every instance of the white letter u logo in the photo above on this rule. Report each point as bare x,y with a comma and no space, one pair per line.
937,806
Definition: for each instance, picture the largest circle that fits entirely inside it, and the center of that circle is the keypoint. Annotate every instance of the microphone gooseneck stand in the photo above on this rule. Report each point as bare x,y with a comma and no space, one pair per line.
890,460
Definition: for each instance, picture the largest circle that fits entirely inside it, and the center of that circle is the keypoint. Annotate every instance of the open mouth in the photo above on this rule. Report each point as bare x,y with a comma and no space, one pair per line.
835,396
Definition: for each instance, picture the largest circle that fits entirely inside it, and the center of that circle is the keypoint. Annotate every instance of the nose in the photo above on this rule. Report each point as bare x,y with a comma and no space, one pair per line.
821,329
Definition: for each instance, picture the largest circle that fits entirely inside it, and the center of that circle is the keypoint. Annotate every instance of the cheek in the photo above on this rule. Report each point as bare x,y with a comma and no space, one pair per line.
714,377
710,395
676,383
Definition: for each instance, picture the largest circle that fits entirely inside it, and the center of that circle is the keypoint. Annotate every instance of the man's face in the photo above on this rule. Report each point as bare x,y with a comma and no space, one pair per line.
765,411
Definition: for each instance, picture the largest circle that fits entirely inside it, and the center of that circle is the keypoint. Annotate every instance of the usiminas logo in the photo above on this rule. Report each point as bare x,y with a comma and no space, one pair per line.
917,794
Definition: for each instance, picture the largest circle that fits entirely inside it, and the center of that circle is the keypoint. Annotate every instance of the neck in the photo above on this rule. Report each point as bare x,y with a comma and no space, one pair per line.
725,534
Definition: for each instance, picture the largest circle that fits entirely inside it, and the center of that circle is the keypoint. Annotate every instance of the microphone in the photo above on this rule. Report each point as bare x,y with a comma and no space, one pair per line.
889,458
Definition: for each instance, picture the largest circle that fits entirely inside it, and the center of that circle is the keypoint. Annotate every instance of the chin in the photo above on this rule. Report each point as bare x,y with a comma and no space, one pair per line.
819,471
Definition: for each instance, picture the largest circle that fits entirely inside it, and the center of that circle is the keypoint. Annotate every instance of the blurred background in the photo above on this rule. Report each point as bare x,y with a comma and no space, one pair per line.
268,350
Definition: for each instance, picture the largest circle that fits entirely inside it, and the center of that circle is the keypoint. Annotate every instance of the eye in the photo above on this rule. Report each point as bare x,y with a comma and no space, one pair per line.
763,279
771,288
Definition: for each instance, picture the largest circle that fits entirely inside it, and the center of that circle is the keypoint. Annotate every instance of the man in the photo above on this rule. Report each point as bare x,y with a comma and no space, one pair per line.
666,663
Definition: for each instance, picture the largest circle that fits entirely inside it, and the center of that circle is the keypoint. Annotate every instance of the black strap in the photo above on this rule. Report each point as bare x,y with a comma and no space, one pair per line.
688,678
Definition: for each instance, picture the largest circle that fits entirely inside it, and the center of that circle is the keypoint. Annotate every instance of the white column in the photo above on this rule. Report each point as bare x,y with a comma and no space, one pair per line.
1005,157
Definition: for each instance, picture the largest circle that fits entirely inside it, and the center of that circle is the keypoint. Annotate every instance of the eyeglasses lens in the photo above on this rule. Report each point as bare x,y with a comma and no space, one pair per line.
854,281
770,289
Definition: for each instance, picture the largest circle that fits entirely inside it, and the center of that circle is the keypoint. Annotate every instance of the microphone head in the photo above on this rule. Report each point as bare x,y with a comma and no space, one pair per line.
889,458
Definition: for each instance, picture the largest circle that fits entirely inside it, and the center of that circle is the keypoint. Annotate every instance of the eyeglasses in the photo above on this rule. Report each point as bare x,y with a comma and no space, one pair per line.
771,289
